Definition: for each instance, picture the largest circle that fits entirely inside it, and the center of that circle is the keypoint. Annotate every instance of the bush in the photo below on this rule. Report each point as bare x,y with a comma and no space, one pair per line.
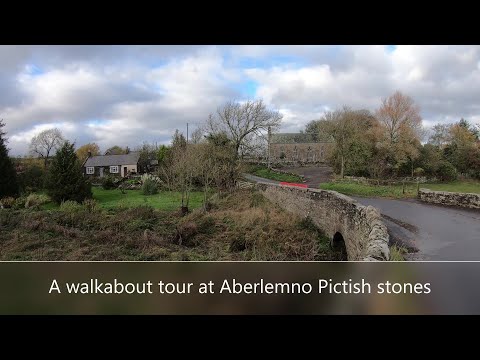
91,205
35,200
446,171
19,203
32,179
71,207
7,202
418,171
149,187
108,183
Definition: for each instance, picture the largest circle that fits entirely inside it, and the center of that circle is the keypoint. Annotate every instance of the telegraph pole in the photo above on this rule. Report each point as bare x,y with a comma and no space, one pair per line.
268,146
187,133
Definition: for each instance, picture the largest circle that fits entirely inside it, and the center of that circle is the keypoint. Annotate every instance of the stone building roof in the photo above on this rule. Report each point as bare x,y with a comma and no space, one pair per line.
296,138
112,160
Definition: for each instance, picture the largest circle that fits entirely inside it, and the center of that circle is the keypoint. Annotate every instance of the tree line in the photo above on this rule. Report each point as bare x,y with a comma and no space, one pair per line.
390,142
210,159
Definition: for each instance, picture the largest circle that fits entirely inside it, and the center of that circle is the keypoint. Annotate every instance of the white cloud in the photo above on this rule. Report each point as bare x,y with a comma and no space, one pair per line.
129,94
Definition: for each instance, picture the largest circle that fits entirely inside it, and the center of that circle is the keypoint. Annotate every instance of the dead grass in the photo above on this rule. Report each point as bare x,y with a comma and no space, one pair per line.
241,226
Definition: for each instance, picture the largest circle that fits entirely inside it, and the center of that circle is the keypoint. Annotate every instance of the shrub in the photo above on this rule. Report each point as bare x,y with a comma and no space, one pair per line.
71,207
418,171
7,202
91,205
19,203
65,179
446,171
35,200
185,233
108,183
149,187
32,179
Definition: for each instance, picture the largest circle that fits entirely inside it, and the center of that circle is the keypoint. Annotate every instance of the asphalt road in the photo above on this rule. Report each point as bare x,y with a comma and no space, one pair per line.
430,232
437,232
259,179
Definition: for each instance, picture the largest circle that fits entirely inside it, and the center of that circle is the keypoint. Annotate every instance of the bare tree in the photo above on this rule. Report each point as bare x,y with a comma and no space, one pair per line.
197,135
240,120
440,135
46,143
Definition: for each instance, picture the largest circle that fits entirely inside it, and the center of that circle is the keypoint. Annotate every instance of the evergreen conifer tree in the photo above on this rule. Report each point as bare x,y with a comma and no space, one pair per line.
65,179
8,175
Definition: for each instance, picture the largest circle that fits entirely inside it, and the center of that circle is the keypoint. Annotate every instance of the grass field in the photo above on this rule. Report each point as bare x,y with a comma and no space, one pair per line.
396,191
272,175
165,200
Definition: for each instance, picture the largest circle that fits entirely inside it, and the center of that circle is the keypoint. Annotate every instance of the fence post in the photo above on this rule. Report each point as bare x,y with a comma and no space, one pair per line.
418,187
403,188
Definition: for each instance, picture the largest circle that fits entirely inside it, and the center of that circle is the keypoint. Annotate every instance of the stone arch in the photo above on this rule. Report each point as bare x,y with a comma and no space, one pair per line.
338,245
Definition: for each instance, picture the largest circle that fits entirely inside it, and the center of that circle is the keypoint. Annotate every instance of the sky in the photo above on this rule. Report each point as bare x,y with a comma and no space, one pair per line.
126,95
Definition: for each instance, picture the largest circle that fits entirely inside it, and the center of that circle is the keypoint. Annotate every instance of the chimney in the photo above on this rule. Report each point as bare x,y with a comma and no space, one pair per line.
127,150
89,154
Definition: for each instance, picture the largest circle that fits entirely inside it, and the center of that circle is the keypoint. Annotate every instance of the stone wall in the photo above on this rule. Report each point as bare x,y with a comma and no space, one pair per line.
467,200
361,227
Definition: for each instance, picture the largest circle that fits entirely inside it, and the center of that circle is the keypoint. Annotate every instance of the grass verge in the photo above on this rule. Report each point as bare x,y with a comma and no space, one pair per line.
397,253
267,173
396,191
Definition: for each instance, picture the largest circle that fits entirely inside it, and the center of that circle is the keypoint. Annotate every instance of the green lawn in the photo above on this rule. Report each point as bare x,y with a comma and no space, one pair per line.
396,191
272,175
163,200
455,186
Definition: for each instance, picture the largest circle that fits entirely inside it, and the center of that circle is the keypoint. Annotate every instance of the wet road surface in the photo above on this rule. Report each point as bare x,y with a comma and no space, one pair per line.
429,232
439,233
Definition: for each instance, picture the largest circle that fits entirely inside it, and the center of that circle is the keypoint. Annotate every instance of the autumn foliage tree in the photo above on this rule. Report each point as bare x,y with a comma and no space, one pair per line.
402,124
83,151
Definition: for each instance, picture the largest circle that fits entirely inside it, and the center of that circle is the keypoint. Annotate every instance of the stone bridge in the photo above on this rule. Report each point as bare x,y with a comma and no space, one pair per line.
343,219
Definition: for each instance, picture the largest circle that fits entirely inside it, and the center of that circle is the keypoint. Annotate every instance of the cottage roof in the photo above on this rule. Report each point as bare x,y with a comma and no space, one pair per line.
112,160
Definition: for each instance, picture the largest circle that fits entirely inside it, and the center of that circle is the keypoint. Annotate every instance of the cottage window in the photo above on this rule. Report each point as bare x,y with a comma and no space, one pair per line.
90,170
113,169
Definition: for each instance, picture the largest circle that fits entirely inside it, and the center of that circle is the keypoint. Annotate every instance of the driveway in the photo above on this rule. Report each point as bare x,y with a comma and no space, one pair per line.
314,175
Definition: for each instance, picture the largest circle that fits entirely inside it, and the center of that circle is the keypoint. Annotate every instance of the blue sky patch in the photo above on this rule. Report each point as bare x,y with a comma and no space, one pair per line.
390,48
34,70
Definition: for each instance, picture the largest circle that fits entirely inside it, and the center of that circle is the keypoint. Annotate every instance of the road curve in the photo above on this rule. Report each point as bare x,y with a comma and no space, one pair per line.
259,179
431,232
438,232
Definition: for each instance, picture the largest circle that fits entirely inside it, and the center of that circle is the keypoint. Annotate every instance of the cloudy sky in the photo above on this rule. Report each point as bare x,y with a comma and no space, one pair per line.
126,95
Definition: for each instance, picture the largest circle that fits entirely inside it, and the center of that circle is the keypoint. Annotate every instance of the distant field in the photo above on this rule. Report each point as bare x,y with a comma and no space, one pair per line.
396,191
272,175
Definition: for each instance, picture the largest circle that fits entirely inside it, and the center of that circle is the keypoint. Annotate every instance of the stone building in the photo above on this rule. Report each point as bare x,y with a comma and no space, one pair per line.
297,147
